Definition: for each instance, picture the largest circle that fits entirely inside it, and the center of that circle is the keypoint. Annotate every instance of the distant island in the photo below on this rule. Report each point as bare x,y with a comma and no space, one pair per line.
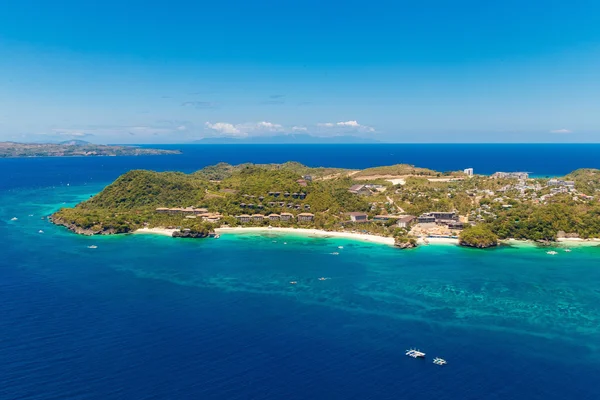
403,202
73,148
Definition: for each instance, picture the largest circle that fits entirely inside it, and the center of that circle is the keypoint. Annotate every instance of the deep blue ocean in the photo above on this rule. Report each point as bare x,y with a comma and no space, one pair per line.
151,317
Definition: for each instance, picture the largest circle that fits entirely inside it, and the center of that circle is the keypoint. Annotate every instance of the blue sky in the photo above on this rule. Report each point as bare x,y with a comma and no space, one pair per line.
396,71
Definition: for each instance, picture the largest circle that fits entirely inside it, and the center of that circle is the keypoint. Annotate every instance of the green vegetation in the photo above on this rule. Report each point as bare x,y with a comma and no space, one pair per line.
396,170
480,236
131,201
74,148
587,180
500,208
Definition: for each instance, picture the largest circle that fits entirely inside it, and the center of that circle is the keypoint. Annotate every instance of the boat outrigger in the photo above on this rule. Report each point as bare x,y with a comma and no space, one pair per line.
415,353
439,361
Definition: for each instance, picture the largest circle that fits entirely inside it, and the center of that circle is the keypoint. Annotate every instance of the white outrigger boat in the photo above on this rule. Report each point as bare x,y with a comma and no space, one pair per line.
415,353
552,252
439,361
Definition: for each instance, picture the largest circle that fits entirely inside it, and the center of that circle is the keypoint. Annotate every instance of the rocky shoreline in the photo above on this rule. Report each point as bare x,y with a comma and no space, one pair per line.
82,231
478,245
189,234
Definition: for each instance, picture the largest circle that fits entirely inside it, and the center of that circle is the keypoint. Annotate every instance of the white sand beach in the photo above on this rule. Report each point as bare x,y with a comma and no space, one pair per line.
306,232
578,242
310,232
438,240
156,231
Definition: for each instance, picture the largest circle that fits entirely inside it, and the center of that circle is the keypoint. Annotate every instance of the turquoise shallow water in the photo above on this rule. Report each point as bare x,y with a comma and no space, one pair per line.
151,317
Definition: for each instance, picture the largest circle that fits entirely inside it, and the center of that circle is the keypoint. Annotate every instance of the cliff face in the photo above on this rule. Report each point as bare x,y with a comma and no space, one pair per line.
189,234
82,231
478,245
404,246
405,243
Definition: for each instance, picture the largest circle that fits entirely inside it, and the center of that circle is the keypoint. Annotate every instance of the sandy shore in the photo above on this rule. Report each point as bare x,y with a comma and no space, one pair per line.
310,232
306,232
156,231
579,242
364,237
438,241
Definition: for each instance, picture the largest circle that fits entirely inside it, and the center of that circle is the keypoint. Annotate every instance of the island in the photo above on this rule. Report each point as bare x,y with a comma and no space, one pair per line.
75,148
407,204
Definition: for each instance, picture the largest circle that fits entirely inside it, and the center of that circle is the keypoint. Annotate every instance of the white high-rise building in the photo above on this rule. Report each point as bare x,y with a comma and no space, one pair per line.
468,171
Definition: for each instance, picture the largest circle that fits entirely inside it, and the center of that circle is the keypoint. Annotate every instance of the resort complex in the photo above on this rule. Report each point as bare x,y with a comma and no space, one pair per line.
399,201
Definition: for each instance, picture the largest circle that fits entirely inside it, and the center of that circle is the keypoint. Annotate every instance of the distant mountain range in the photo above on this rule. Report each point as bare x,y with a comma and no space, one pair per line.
287,139
74,142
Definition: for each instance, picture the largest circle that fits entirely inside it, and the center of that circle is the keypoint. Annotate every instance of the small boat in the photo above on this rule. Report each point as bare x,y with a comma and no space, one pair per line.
335,253
92,247
340,247
30,215
14,218
293,282
439,361
217,236
284,242
323,279
40,231
567,250
415,353
552,252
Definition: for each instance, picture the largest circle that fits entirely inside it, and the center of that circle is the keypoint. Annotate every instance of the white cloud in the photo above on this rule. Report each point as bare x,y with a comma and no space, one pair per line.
299,128
561,131
353,125
245,129
225,129
159,128
269,126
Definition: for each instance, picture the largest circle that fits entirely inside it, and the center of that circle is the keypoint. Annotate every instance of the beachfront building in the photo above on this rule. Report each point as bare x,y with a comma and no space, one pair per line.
286,217
511,175
384,218
360,190
212,218
426,219
244,218
258,218
560,182
456,225
305,217
274,217
468,171
358,217
438,217
406,221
